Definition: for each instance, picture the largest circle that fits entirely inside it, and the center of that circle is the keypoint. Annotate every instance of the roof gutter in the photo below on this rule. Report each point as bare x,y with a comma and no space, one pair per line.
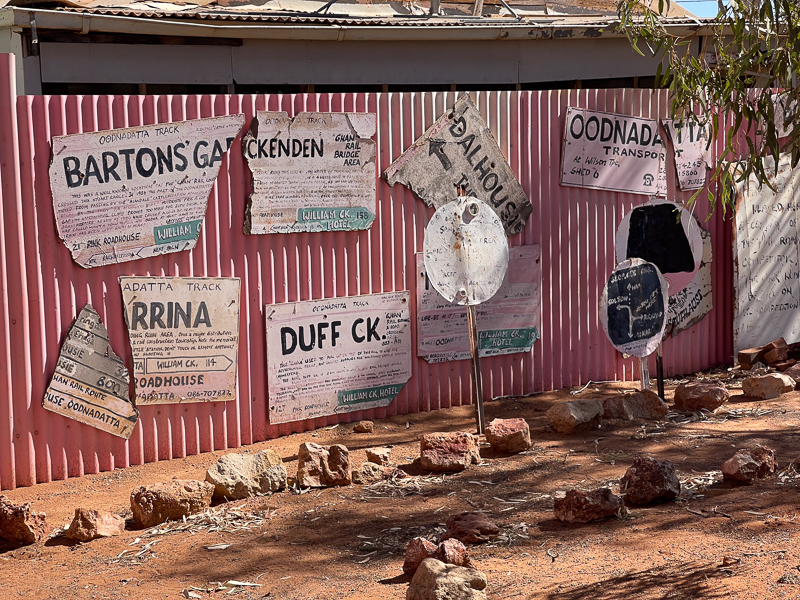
87,23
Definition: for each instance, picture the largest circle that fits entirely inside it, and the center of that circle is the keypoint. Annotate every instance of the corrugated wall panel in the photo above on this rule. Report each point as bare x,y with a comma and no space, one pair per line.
42,289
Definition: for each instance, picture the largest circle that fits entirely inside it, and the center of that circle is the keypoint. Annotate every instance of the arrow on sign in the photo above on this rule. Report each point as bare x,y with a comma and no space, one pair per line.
187,364
437,148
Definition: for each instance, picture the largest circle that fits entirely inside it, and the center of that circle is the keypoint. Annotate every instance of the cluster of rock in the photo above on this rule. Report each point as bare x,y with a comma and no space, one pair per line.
582,415
444,570
777,354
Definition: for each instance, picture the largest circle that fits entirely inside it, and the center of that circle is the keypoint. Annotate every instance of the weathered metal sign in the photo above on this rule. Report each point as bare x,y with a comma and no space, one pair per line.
665,234
315,172
466,251
126,194
633,307
338,355
695,301
90,383
459,150
509,322
691,151
766,258
184,334
607,151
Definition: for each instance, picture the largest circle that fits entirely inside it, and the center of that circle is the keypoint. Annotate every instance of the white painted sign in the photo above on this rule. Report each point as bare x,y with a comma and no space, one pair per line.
184,334
785,111
665,234
766,259
508,323
125,194
316,172
338,355
607,151
90,383
466,251
460,150
691,151
633,307
695,301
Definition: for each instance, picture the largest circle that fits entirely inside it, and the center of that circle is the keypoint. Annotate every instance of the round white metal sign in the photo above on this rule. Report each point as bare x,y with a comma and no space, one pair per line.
466,251
633,307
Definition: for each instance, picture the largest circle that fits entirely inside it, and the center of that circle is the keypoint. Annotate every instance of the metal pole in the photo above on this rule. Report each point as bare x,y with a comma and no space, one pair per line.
645,373
477,384
660,372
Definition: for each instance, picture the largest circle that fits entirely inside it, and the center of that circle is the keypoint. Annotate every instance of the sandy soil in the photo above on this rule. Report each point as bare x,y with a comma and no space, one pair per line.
716,541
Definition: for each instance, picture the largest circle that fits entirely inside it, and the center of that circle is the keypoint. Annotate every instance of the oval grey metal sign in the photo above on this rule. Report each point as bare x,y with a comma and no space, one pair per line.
466,251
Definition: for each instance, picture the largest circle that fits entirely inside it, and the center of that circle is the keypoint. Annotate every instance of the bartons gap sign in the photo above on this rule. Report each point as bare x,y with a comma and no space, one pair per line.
606,151
127,194
184,334
315,172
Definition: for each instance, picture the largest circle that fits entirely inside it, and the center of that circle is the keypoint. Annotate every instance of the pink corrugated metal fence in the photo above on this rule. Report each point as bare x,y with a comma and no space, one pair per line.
43,289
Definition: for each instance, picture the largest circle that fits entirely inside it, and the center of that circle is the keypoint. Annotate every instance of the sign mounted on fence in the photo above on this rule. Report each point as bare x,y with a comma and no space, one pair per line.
633,307
126,194
184,334
766,265
338,355
619,153
665,234
459,150
315,172
695,301
508,323
90,383
692,152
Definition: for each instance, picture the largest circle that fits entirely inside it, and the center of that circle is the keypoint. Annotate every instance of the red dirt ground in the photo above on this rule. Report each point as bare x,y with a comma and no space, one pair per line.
720,542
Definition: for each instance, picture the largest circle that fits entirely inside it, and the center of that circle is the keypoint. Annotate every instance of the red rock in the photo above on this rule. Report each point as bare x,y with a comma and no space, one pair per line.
453,552
779,343
575,415
319,466
783,366
699,395
639,405
579,506
91,524
648,480
751,355
748,465
794,373
776,355
364,427
417,550
448,451
20,526
175,499
470,528
509,435
768,386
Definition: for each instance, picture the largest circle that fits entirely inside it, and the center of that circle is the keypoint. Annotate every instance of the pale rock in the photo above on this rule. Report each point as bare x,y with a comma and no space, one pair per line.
89,524
508,435
238,476
364,427
644,404
768,386
379,456
794,373
698,395
575,415
19,525
747,465
448,451
368,473
170,500
319,466
435,580
648,480
579,506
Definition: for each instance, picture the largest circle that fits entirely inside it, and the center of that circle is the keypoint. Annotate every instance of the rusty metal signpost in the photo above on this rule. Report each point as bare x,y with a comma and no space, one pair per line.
466,258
